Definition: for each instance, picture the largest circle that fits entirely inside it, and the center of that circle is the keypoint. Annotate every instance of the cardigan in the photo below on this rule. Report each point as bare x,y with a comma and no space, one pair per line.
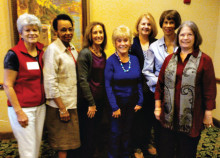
84,69
205,89
137,50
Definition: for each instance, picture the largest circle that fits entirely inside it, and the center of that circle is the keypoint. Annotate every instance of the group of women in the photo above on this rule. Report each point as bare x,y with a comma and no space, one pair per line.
167,84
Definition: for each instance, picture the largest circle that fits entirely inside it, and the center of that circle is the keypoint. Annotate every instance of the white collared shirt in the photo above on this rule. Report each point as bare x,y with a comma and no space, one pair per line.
60,78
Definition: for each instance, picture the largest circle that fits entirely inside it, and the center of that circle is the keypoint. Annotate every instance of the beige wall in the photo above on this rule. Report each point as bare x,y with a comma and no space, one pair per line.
116,12
112,13
205,13
217,49
216,112
5,44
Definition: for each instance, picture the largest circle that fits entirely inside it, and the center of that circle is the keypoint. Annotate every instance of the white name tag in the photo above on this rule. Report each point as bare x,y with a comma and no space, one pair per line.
33,66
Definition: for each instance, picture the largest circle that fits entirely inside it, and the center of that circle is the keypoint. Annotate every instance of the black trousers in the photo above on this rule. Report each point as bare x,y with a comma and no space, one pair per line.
91,133
177,145
144,121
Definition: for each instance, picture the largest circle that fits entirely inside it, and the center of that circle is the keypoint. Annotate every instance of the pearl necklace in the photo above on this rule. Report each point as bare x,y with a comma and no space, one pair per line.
122,66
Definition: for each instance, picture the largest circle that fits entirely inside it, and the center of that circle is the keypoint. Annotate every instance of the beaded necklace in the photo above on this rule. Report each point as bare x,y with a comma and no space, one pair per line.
122,66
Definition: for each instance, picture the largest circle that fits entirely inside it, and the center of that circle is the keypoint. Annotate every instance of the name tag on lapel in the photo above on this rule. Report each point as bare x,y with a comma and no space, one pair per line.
33,66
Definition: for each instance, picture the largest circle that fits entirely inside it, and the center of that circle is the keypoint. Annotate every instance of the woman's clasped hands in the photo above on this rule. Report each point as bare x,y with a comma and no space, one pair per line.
64,115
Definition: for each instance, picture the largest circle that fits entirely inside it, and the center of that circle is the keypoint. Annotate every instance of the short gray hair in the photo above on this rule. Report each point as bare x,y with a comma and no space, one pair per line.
27,19
121,31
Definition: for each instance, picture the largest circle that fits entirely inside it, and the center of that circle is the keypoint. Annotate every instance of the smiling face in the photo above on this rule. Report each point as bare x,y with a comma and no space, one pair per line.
65,31
168,27
122,45
97,35
30,34
186,38
144,27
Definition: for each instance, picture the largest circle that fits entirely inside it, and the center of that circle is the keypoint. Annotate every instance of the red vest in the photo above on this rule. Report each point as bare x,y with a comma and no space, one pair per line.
29,82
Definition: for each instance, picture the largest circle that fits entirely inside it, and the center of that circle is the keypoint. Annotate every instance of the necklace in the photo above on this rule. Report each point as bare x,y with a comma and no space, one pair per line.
122,66
98,54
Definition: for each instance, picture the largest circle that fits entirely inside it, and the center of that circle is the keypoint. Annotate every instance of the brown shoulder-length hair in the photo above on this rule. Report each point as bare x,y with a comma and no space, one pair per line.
170,15
195,30
148,16
87,40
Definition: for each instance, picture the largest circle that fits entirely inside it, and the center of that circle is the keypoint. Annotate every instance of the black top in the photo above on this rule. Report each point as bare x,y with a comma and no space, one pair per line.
137,50
11,61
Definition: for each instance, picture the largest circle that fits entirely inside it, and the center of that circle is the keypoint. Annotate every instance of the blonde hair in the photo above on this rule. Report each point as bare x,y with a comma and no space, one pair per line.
148,16
121,31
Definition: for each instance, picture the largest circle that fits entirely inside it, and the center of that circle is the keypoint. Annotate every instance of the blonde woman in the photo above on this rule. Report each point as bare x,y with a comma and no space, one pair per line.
124,91
145,33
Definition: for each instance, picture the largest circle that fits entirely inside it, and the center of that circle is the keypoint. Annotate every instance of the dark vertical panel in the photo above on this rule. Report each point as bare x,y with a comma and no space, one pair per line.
85,12
13,15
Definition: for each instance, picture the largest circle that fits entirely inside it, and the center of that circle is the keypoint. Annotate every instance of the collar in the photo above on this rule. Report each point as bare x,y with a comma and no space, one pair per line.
21,47
161,41
195,52
61,46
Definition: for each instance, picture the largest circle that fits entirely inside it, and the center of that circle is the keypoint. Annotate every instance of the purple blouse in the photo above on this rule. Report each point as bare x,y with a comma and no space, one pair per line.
97,77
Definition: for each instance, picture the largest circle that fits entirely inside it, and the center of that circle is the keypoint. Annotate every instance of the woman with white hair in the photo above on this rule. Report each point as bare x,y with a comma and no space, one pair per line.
124,90
23,84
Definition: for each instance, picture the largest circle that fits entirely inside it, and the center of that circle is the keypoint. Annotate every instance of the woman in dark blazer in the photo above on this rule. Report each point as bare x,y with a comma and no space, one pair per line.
145,33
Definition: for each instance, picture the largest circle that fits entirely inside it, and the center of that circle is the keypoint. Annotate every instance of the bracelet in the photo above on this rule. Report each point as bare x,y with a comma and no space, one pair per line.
61,112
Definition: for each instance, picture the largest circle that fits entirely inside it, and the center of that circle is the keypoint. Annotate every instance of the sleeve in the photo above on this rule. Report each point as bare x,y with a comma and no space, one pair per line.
159,91
109,71
83,69
11,61
140,90
209,85
50,70
148,69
